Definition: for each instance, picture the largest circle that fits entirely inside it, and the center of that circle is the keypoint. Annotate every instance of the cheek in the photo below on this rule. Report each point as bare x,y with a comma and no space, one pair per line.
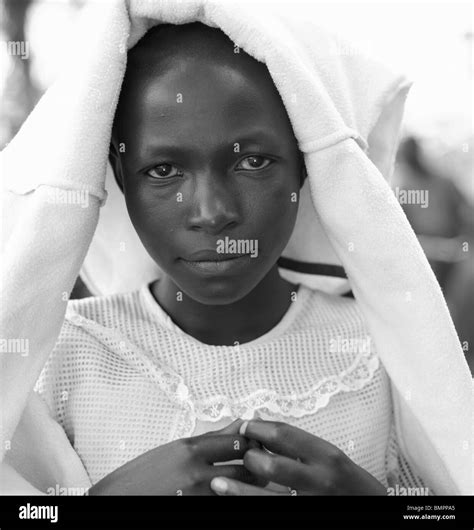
154,219
275,211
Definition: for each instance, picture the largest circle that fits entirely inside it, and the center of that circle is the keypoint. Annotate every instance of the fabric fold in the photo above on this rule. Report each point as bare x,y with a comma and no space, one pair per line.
397,294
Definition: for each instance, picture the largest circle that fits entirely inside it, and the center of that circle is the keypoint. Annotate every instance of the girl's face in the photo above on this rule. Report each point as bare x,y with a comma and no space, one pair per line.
207,152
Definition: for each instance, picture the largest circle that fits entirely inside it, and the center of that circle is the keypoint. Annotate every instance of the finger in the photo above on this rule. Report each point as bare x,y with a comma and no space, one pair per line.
232,428
220,447
237,472
279,469
224,486
287,440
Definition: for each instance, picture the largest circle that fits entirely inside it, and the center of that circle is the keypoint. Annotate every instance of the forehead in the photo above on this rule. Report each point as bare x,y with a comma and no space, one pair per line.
189,80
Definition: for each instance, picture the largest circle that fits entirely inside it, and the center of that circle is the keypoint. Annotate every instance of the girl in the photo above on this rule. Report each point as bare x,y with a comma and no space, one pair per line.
146,391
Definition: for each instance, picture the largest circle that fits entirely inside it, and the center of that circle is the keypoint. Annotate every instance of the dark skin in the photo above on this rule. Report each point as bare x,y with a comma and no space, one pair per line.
182,112
306,464
228,100
183,467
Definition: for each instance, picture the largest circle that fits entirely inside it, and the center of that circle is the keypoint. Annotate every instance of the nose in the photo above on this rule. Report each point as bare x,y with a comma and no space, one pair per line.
214,205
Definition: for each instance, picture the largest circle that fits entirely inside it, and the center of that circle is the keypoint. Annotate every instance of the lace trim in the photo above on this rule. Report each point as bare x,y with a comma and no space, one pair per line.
217,407
295,405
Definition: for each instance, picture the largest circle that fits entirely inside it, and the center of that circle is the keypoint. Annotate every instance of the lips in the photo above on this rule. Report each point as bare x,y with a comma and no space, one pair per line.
211,263
211,255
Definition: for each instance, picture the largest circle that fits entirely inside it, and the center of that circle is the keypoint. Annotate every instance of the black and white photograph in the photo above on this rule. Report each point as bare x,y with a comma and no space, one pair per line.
237,260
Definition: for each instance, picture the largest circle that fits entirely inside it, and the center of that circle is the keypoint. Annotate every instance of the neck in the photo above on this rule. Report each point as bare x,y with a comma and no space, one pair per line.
242,321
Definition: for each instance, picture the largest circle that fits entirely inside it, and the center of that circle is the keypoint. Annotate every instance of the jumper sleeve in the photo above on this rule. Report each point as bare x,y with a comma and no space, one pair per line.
41,460
412,471
402,477
50,208
53,174
44,244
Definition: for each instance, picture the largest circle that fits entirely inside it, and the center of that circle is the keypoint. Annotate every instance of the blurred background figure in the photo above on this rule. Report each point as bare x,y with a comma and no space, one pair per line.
433,178
459,295
437,210
19,92
443,220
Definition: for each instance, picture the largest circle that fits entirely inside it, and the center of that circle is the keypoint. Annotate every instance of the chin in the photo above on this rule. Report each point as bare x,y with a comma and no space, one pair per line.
220,291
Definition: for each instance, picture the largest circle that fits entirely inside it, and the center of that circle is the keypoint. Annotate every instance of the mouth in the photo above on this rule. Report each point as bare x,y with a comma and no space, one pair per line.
212,255
214,263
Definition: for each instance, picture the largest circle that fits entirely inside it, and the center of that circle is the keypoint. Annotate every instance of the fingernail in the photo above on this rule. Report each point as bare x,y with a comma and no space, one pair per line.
219,485
243,428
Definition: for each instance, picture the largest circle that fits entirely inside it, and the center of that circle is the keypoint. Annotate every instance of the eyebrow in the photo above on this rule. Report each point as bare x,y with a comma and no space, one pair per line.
260,136
247,141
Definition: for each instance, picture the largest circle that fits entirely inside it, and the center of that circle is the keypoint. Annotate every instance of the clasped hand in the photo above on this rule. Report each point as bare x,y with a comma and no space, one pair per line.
269,451
306,464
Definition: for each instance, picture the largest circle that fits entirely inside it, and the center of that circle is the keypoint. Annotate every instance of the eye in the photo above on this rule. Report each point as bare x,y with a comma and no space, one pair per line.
254,162
164,171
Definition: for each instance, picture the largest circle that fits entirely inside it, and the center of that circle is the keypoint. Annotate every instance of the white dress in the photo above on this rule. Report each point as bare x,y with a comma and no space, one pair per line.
123,379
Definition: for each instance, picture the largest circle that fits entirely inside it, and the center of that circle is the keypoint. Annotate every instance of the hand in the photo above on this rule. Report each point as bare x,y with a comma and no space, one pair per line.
183,467
306,464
